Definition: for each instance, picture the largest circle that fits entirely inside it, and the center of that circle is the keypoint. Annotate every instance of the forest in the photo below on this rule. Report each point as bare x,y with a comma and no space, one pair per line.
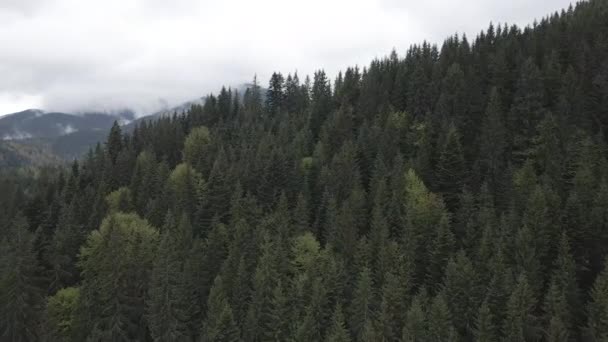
453,193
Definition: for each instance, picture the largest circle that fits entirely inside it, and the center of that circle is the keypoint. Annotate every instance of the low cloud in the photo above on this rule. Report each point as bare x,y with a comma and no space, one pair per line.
67,55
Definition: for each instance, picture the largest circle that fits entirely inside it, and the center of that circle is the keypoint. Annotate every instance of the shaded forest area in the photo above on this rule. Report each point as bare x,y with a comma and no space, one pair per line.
457,193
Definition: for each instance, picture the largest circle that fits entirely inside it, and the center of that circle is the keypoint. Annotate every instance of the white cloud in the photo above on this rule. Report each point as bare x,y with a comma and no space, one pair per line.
91,54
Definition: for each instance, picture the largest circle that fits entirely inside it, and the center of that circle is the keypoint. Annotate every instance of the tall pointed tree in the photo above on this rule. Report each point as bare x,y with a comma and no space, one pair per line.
21,298
451,169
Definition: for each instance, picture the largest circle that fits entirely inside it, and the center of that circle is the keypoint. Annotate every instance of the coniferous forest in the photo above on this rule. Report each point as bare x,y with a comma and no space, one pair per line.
451,193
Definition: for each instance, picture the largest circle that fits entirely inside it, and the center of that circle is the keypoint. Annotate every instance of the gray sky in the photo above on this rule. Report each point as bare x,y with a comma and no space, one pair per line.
75,55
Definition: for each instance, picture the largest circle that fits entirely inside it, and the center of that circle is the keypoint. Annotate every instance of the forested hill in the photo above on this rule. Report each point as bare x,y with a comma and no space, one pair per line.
454,193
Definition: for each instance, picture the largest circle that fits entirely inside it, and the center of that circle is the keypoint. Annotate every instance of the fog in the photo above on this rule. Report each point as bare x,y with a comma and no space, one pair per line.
77,55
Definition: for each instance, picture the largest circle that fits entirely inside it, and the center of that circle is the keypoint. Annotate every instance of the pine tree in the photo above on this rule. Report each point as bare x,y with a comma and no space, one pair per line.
493,143
320,102
196,146
439,318
252,99
526,110
415,328
451,171
115,142
441,249
461,293
562,303
275,95
520,324
260,317
556,308
485,330
301,215
219,325
21,298
597,308
337,331
393,306
215,202
548,150
65,245
182,189
280,311
167,299
426,230
361,310
116,262
527,259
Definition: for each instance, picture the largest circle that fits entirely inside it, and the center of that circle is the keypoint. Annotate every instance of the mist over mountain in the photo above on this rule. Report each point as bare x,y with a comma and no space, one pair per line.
35,123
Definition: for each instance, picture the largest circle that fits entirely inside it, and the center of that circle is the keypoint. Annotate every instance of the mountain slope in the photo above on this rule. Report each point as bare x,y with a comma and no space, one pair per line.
35,123
16,154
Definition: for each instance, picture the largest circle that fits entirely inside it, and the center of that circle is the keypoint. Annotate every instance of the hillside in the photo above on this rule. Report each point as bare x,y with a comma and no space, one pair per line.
34,137
14,154
450,193
38,124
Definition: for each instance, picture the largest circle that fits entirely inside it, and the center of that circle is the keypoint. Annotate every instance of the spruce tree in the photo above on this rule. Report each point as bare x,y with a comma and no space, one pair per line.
451,171
21,297
219,324
597,308
167,300
338,332
521,323
485,330
493,143
439,320
361,310
415,328
115,142
116,263
275,95
461,293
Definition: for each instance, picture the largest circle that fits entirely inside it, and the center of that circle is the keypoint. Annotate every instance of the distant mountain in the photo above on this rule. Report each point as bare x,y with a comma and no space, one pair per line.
17,154
35,123
34,137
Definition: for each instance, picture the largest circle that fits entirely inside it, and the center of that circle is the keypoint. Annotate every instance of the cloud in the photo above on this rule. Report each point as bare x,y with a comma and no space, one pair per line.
67,129
17,135
75,55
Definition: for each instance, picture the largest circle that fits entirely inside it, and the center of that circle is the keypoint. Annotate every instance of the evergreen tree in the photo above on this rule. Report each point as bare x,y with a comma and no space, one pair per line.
521,323
597,308
527,109
493,143
260,317
21,298
337,331
196,146
219,326
60,314
415,328
451,172
485,331
275,95
167,300
461,293
115,142
361,307
116,262
439,318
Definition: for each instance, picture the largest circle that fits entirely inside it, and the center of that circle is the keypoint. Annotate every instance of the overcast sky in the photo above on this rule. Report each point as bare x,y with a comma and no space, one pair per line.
76,55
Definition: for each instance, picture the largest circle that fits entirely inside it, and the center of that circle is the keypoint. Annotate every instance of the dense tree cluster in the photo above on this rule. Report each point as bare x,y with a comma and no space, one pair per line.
452,194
